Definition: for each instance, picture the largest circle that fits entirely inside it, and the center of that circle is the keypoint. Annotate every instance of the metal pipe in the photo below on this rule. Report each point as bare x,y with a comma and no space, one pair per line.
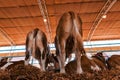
43,9
98,19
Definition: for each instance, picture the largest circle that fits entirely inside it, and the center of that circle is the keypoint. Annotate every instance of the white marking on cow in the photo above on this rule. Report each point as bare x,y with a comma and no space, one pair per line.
75,26
70,58
50,64
6,65
89,56
43,64
27,61
1,58
95,68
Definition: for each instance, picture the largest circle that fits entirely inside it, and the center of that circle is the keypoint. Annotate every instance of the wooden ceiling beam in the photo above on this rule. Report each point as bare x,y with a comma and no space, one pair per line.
7,37
59,3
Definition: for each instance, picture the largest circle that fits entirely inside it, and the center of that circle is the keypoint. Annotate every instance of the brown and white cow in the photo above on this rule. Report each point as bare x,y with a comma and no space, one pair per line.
99,60
113,62
3,62
37,47
6,64
69,34
93,63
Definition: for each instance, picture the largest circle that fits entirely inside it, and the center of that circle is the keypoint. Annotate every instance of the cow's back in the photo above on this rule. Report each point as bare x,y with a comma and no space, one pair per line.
99,63
114,61
69,23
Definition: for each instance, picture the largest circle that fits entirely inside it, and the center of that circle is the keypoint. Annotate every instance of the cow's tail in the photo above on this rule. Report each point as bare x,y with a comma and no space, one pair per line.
56,46
27,52
37,50
46,47
35,32
77,29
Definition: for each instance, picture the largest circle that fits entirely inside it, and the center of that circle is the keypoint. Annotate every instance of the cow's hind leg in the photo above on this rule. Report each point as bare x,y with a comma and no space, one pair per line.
27,58
29,49
42,58
62,53
79,52
78,58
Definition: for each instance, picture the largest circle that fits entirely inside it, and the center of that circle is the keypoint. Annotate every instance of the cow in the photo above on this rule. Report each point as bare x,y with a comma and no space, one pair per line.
37,47
94,63
52,63
3,61
113,62
100,61
5,64
69,34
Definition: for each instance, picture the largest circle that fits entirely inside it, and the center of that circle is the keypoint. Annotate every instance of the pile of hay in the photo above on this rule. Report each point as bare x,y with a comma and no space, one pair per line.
4,75
25,72
21,72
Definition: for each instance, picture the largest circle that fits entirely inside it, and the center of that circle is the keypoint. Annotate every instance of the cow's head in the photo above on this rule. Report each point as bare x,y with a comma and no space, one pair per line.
51,62
100,56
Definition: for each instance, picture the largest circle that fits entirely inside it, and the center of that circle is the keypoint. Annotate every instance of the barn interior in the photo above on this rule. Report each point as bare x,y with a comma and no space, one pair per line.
100,24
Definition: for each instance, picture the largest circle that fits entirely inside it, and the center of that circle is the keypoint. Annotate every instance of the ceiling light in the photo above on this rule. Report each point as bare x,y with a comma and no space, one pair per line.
104,16
45,20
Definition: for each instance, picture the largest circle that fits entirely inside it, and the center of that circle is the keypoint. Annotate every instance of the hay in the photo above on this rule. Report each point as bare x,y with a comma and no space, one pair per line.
27,72
4,75
21,72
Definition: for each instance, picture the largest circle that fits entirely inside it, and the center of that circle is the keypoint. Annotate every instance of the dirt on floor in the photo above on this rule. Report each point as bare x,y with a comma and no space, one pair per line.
21,72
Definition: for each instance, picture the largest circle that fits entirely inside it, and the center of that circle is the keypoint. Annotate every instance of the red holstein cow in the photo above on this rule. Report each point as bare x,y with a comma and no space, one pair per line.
37,47
69,37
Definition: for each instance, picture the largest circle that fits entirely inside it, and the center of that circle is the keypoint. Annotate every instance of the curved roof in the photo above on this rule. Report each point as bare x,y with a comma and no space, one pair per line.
18,17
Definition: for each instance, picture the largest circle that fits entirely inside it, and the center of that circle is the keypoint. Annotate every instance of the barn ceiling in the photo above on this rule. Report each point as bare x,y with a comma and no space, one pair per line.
18,17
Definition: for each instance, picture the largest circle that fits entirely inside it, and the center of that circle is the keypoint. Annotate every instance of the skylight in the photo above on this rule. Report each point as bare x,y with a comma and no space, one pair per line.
106,43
